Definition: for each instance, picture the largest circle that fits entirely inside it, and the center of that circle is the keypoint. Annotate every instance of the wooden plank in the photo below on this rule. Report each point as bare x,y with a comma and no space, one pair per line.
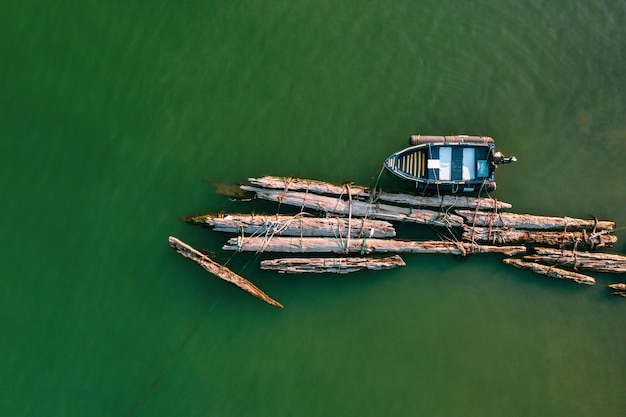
590,261
551,271
330,265
497,235
359,208
531,222
362,246
220,271
298,225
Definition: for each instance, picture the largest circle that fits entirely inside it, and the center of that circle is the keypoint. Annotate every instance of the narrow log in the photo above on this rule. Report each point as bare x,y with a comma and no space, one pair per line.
596,261
550,271
532,222
363,246
363,193
497,235
297,225
220,271
357,208
330,265
620,289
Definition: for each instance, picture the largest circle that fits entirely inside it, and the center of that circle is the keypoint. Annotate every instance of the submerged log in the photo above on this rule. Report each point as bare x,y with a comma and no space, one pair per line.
297,225
620,289
220,271
497,235
596,261
363,246
330,265
363,193
532,222
356,208
550,271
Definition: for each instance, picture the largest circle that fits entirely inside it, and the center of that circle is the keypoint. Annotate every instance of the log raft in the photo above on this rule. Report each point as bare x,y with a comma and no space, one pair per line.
357,208
302,224
220,271
366,194
551,271
568,239
330,265
362,246
532,222
589,261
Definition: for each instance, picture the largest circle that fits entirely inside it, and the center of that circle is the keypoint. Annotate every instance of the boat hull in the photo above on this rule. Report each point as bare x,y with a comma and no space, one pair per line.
455,165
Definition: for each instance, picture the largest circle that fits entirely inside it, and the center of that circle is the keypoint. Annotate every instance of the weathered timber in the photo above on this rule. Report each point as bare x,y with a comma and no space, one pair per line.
532,222
298,225
330,265
590,261
620,289
356,208
363,193
220,271
550,271
363,246
497,235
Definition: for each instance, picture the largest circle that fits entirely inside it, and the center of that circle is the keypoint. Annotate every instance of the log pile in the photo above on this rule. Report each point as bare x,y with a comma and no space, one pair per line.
356,223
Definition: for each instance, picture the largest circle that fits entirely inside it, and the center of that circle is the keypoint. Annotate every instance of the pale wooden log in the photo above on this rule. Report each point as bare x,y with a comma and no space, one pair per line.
330,265
496,235
220,271
532,222
550,271
357,208
363,193
362,246
297,225
620,289
590,261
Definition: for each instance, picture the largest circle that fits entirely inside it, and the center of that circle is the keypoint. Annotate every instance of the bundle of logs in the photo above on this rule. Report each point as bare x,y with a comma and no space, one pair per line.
354,224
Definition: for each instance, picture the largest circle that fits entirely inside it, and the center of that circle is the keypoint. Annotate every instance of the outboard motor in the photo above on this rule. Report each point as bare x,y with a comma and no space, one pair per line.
498,159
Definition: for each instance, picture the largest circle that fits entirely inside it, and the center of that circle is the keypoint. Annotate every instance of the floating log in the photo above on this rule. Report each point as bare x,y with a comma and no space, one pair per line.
363,193
330,265
363,246
497,235
598,262
220,271
532,222
620,289
550,271
356,208
297,225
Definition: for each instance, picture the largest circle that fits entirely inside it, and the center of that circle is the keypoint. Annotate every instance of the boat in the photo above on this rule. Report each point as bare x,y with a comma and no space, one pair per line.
448,164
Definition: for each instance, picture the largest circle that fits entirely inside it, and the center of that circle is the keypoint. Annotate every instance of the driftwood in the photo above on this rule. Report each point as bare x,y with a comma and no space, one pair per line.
532,222
356,208
497,235
598,262
330,265
299,225
220,271
363,246
620,289
551,271
365,194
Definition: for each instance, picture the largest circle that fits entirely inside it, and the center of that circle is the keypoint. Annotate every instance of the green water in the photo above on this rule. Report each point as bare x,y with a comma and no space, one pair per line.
112,115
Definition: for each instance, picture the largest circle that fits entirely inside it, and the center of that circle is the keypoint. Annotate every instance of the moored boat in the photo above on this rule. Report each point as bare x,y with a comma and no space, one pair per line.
448,164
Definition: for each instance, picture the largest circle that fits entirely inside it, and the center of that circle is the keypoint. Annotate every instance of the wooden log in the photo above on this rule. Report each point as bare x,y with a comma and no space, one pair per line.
357,208
590,261
620,289
550,271
365,194
220,271
497,235
363,246
532,222
330,265
298,225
